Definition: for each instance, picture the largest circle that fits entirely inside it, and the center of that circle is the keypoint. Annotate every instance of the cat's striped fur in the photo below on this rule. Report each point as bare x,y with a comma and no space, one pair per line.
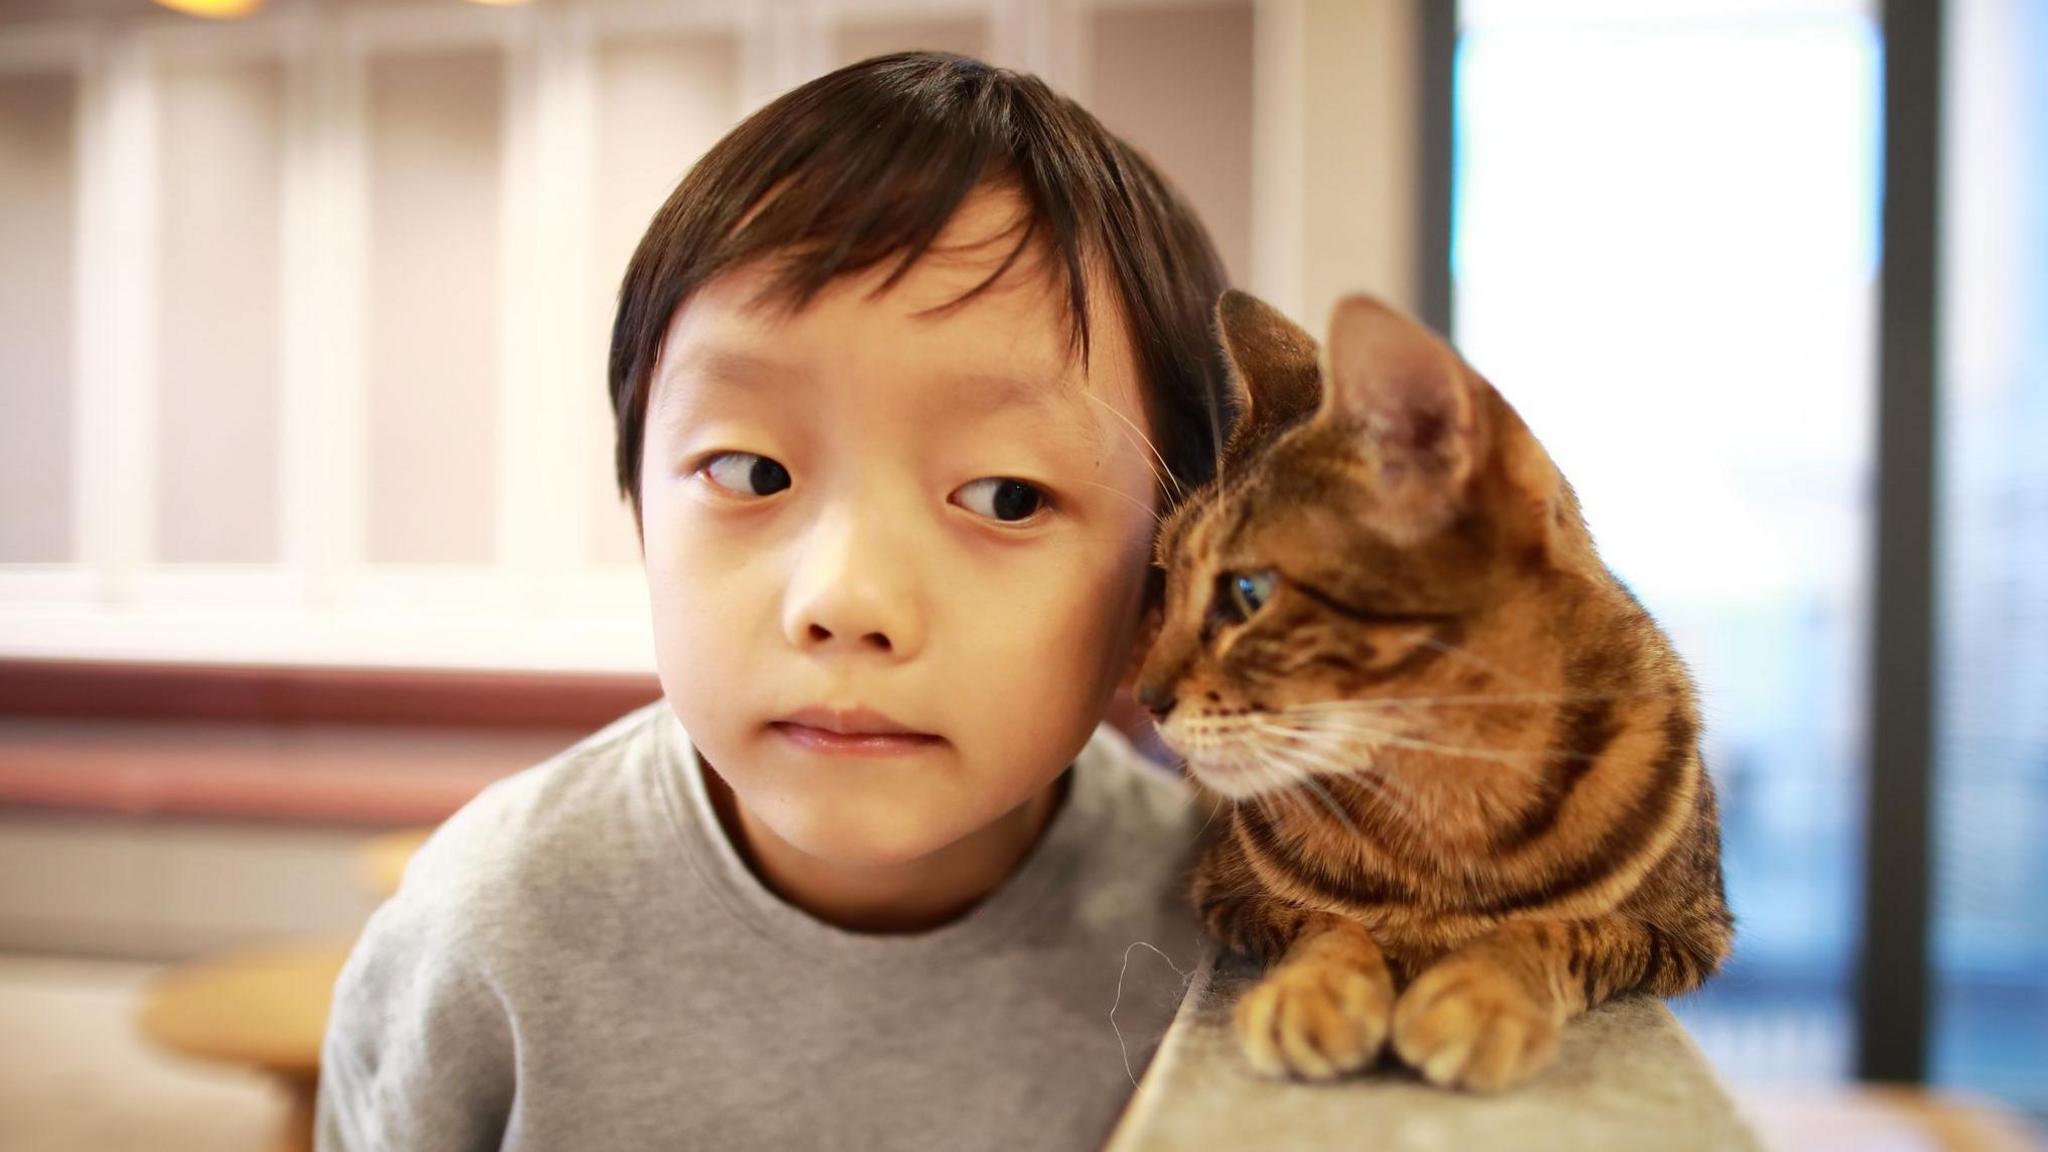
1458,763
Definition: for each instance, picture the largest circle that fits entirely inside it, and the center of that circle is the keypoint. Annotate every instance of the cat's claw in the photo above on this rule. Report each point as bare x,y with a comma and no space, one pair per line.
1468,1024
1314,1020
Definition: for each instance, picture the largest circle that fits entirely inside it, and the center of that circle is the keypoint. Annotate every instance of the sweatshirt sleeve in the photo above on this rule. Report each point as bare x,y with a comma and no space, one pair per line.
418,1053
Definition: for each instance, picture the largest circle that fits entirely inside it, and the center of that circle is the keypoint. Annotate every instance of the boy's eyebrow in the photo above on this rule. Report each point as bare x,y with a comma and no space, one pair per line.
724,366
716,368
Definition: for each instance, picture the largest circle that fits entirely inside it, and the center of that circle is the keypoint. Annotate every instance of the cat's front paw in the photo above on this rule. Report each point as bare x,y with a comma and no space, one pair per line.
1316,1020
1469,1024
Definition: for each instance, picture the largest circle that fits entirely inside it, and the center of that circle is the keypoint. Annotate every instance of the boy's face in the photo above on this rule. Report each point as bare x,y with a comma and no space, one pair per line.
827,525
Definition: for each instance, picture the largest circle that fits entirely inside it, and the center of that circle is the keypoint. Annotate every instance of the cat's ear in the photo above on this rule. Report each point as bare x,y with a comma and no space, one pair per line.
1274,369
1415,403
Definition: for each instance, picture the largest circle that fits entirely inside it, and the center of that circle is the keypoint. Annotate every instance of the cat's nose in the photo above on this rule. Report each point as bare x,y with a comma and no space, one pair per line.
1157,699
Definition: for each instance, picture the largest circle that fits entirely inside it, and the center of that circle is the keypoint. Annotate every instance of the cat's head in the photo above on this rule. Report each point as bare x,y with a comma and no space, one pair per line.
1384,526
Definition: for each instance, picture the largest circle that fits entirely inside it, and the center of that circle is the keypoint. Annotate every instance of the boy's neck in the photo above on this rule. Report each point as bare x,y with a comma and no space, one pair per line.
909,897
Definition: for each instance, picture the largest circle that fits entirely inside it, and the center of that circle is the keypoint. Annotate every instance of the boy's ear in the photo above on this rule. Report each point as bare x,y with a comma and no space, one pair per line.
1416,406
1274,370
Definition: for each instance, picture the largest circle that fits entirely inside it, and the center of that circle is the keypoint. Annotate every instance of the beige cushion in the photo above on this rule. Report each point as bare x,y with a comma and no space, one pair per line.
1627,1077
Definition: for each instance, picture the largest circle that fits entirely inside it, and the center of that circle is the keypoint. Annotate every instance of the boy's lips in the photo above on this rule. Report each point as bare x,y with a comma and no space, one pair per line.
851,730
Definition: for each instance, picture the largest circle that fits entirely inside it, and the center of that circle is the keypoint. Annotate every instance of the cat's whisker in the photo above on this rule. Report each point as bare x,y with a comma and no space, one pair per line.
1467,699
1334,753
1305,774
1252,760
1163,472
1507,758
1272,785
1388,791
1330,758
1383,786
1335,723
1215,430
1330,801
1449,649
1157,516
1263,801
1360,721
1155,463
1193,796
1290,794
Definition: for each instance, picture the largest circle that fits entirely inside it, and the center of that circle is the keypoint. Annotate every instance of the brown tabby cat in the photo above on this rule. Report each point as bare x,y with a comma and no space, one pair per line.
1459,763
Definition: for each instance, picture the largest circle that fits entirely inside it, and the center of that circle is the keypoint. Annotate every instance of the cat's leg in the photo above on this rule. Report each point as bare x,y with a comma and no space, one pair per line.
1489,1014
1235,906
1323,1007
1323,1010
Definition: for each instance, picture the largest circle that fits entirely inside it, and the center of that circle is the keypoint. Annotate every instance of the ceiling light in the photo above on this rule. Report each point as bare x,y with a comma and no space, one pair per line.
214,9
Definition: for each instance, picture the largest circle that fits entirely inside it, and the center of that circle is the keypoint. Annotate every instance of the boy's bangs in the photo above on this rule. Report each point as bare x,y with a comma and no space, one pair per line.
888,205
866,166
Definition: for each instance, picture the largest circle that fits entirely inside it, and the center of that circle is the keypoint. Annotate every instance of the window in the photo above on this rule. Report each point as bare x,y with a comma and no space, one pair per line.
1989,956
1672,277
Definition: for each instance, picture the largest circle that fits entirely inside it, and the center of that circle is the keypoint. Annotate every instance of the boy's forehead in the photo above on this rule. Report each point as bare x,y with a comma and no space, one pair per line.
1032,409
998,325
976,244
987,250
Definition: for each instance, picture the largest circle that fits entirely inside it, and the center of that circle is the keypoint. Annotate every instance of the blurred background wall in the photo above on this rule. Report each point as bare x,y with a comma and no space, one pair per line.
306,313
307,527
302,331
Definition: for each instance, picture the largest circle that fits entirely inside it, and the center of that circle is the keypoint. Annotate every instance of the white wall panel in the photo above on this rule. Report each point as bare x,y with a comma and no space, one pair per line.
661,103
435,152
220,149
1176,82
38,167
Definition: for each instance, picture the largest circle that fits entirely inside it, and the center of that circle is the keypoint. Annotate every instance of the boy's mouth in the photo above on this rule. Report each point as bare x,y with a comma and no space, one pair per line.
857,731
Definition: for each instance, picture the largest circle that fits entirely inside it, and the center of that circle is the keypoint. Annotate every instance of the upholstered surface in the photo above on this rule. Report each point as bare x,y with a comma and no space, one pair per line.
1627,1077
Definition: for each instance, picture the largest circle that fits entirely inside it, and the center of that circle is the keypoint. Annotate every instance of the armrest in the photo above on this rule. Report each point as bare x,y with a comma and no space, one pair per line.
1627,1077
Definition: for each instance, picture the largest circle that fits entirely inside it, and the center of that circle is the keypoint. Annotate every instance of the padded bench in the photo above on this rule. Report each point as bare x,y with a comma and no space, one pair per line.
1627,1076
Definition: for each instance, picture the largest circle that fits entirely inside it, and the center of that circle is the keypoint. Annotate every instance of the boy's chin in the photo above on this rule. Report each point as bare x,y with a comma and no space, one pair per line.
886,839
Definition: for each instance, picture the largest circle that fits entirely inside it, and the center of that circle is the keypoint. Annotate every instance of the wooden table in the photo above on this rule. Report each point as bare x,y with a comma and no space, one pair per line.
262,1007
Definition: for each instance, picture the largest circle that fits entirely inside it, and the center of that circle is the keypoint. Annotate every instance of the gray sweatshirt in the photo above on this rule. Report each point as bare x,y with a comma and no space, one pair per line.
579,960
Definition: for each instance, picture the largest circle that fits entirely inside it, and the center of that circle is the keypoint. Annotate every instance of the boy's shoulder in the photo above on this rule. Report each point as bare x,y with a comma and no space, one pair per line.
421,1031
548,825
1131,786
1138,820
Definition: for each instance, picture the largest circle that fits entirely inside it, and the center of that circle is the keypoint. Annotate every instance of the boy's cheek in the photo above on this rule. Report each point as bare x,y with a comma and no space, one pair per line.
1151,619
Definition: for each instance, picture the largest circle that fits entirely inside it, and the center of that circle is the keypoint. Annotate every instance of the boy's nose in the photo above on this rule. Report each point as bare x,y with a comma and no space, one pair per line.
847,616
849,591
819,634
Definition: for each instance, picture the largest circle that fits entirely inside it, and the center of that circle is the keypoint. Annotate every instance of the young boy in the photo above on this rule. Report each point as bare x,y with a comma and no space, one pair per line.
889,368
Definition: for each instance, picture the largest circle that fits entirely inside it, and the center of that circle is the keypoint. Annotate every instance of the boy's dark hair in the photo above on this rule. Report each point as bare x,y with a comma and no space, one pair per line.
868,164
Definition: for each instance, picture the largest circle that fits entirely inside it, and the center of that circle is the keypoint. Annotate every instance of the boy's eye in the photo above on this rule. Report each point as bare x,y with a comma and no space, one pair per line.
747,474
1000,499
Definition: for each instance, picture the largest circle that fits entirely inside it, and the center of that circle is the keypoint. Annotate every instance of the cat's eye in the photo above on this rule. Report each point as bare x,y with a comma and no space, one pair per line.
1248,592
1010,501
746,474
